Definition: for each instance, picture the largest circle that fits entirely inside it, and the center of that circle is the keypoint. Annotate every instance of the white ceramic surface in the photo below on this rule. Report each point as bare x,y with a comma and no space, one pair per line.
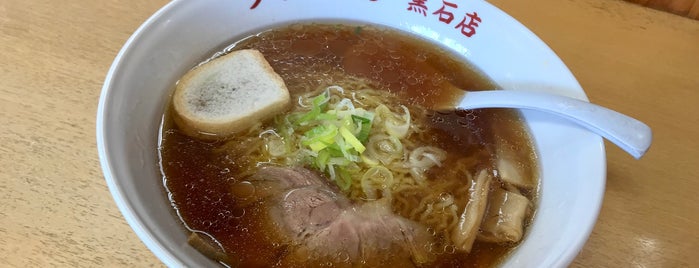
631,135
182,33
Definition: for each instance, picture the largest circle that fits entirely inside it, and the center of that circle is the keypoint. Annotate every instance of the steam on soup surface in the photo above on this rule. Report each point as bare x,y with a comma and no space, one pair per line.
359,171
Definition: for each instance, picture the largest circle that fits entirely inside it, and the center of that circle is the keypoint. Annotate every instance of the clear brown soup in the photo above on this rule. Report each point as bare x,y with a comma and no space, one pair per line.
198,174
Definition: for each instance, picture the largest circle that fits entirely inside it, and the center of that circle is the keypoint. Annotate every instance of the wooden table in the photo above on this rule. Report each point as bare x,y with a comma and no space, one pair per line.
687,8
55,209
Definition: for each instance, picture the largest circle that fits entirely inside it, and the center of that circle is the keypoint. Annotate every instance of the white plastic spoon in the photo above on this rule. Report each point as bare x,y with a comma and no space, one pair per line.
631,135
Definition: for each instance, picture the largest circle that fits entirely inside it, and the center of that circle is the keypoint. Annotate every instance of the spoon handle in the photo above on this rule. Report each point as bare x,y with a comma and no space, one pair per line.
629,134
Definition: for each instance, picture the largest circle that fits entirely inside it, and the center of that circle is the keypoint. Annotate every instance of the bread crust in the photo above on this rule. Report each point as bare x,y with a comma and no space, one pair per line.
193,122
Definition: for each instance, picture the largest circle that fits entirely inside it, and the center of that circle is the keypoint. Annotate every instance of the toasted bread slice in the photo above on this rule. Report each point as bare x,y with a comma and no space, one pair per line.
228,94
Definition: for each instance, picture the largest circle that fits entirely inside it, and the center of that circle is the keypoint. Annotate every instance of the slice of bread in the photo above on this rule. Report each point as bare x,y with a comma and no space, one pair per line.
228,94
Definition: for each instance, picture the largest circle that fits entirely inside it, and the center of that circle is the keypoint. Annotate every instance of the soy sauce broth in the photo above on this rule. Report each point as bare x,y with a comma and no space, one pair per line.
198,174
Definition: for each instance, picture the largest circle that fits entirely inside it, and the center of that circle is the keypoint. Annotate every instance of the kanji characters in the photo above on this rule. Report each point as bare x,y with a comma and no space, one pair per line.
418,6
469,28
444,13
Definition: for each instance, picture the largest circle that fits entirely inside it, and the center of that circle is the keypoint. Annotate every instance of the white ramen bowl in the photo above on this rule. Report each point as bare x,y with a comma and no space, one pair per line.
181,34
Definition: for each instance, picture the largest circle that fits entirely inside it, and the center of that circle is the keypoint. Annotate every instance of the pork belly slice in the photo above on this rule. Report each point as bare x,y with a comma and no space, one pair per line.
320,222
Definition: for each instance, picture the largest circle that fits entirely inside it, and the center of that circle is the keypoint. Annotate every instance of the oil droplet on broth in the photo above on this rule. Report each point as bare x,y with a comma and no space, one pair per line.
243,190
238,213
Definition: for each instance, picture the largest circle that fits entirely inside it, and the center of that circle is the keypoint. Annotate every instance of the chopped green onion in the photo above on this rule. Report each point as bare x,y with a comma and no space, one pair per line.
344,180
324,134
317,146
346,149
318,103
364,127
322,159
326,117
352,140
334,138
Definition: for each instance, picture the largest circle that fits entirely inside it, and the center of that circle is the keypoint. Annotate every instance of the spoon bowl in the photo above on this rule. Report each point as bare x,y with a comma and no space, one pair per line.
629,134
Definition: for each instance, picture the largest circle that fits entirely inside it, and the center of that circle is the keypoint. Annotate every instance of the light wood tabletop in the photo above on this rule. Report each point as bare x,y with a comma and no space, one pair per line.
56,210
